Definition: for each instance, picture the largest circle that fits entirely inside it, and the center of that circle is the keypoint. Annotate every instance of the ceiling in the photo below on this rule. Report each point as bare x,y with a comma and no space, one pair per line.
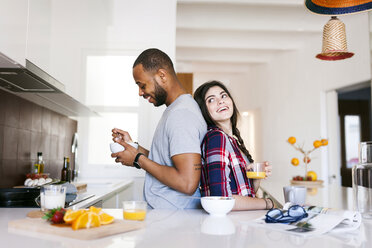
232,36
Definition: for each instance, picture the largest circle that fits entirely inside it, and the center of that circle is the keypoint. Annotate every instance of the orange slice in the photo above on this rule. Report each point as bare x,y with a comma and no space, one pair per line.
106,219
86,220
71,215
95,210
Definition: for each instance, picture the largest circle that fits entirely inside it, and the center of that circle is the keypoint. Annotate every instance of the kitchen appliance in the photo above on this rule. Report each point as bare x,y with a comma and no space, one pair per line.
25,197
18,197
362,180
35,85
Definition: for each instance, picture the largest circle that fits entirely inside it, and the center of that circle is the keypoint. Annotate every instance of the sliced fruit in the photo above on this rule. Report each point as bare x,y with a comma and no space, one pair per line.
95,210
106,219
291,140
312,174
295,161
86,220
71,215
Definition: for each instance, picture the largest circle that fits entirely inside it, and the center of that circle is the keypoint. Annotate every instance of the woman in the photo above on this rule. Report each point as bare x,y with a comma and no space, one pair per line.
225,157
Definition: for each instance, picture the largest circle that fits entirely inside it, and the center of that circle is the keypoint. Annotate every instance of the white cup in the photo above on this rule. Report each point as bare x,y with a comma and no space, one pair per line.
52,196
295,194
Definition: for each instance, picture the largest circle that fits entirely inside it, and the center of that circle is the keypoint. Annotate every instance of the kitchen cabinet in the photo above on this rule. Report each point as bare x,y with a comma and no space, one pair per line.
115,199
39,34
13,28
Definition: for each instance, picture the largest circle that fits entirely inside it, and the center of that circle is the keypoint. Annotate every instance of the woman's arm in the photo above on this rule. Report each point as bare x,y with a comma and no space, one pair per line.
251,203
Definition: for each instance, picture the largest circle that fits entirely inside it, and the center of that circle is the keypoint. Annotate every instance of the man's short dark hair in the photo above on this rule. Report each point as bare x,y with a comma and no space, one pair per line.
153,59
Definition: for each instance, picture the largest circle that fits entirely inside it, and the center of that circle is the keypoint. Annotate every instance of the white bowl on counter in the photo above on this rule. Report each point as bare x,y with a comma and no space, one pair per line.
217,205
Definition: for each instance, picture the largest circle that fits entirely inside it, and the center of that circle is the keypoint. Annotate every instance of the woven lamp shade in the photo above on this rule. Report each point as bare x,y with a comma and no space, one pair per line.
338,7
334,41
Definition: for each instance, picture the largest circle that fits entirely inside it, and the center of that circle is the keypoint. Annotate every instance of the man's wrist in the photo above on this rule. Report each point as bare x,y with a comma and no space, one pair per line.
135,162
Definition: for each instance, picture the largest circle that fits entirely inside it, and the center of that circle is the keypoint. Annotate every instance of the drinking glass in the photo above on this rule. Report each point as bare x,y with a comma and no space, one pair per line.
52,196
257,171
134,210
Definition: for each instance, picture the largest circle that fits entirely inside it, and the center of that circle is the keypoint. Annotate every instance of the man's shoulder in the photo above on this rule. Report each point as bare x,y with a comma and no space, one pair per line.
185,102
185,108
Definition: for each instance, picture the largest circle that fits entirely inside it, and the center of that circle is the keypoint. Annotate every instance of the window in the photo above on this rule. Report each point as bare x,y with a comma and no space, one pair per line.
113,94
352,139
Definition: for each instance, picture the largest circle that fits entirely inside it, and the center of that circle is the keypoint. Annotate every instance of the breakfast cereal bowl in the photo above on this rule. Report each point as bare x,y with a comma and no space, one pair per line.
217,205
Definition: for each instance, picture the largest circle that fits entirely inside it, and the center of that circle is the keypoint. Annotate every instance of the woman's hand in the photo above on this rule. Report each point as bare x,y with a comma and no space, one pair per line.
268,169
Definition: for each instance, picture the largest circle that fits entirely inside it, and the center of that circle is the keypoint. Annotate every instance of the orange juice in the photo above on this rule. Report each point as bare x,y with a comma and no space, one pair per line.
134,214
256,174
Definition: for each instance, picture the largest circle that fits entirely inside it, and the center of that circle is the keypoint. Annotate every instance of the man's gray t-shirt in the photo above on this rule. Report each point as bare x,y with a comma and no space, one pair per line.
181,129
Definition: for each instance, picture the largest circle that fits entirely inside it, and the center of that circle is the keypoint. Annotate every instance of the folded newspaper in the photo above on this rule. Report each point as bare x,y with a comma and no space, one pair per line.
319,221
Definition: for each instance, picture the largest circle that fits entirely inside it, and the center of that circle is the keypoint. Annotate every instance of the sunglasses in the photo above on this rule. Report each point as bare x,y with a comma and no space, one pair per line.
293,214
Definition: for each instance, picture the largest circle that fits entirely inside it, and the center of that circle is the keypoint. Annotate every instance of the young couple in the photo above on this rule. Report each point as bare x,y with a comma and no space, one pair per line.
177,164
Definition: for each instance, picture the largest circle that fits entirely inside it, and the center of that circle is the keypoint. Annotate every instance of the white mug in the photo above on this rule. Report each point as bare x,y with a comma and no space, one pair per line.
295,194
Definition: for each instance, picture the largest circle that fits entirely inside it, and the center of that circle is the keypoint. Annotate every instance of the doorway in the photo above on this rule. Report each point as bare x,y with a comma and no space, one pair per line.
354,105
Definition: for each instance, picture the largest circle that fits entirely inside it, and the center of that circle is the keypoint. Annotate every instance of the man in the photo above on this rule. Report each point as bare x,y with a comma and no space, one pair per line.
173,164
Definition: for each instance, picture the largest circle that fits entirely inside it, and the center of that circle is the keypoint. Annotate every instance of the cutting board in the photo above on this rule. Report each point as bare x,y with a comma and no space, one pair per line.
42,226
80,186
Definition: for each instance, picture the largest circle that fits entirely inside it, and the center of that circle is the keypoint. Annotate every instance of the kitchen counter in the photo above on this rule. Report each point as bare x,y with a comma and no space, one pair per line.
331,196
102,190
184,228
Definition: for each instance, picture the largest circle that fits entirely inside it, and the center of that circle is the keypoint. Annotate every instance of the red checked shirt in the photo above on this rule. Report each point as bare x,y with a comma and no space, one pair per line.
223,170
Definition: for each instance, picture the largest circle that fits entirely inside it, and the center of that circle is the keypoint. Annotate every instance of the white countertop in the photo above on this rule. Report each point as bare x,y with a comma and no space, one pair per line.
331,196
184,228
101,189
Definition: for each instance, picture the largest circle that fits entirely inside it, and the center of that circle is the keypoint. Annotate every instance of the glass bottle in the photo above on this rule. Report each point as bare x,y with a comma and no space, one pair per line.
39,165
362,180
66,172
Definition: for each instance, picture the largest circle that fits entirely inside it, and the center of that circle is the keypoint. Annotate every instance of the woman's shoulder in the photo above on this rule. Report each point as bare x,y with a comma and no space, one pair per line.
215,131
215,136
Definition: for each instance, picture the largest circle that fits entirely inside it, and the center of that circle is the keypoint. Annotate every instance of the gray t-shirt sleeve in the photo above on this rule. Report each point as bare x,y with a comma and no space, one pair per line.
184,131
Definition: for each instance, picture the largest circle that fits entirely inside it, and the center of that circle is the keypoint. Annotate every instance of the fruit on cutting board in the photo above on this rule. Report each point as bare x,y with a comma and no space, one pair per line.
55,215
81,218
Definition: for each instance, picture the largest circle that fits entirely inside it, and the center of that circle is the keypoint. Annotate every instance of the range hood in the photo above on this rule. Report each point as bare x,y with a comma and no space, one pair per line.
35,85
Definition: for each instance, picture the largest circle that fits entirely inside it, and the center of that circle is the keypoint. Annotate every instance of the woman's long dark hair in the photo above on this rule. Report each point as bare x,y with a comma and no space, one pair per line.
199,97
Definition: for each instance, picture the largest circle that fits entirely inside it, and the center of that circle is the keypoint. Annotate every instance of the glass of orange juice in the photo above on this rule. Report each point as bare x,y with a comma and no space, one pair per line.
257,171
134,210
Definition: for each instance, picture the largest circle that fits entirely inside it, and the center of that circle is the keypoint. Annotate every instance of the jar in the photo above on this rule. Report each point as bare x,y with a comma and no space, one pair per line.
362,180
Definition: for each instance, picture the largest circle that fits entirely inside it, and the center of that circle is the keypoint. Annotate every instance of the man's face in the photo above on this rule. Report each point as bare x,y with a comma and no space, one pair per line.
149,87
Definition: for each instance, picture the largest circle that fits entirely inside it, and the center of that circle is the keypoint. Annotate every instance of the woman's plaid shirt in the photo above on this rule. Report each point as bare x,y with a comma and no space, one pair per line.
223,169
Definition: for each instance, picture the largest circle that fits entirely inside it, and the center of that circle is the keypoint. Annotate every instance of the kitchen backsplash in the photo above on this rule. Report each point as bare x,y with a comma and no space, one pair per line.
25,129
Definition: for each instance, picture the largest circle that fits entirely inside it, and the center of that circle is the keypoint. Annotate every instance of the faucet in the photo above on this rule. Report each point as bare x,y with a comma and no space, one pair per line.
74,146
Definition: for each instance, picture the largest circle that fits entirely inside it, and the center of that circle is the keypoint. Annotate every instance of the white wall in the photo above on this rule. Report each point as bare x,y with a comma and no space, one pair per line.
83,27
289,94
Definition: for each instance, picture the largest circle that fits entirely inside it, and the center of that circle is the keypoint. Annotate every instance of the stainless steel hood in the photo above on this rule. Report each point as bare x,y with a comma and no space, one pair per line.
35,85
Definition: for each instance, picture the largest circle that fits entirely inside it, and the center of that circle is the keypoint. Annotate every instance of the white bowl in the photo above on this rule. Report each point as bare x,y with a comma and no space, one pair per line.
116,147
217,205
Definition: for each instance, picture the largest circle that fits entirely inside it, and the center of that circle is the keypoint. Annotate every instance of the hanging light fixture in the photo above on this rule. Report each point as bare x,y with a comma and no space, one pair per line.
334,34
334,41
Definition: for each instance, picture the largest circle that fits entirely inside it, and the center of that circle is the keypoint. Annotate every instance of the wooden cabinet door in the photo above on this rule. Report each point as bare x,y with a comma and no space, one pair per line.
186,80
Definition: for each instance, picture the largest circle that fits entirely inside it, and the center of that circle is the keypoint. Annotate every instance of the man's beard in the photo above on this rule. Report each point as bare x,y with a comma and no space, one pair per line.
160,94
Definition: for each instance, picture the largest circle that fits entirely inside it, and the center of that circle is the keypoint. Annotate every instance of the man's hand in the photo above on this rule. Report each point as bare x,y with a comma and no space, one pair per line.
127,156
120,135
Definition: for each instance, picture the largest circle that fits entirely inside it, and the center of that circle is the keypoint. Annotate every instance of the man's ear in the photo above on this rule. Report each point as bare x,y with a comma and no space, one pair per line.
163,75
